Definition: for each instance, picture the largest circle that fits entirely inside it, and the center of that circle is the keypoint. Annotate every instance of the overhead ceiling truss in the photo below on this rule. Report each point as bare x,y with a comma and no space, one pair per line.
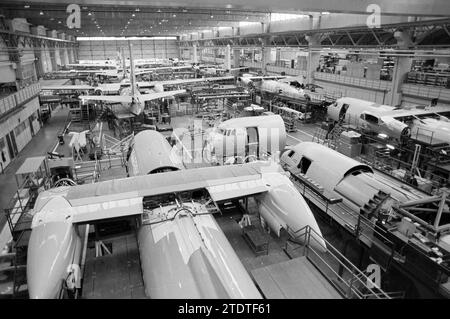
17,42
423,34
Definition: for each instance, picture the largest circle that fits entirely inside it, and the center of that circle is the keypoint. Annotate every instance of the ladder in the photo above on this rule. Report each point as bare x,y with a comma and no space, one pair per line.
371,208
320,136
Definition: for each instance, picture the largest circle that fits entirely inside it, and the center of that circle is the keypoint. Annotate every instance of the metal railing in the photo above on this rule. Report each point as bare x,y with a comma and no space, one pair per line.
380,163
362,228
346,278
15,100
376,84
21,202
431,79
425,133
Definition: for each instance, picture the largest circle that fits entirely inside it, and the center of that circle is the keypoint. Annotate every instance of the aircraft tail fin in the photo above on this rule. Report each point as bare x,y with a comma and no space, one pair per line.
132,76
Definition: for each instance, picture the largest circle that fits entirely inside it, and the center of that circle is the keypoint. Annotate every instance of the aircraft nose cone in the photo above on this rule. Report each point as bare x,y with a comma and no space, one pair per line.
49,254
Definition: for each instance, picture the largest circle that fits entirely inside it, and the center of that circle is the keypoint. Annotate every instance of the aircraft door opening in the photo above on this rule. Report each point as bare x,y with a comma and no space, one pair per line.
12,146
252,145
342,113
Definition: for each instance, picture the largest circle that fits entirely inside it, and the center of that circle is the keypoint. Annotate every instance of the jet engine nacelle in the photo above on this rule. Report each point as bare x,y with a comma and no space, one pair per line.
286,89
283,207
395,128
245,136
384,125
54,248
245,81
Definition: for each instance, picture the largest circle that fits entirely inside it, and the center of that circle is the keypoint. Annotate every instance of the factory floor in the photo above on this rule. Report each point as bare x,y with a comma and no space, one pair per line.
115,276
40,144
277,274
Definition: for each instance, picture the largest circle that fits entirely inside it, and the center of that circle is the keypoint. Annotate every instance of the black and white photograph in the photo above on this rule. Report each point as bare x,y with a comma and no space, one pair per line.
227,156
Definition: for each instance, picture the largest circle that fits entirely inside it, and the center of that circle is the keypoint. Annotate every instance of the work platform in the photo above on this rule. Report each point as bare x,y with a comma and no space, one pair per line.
117,275
294,279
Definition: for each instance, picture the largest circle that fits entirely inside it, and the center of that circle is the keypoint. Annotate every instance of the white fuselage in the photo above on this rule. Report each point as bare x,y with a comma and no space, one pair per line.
255,136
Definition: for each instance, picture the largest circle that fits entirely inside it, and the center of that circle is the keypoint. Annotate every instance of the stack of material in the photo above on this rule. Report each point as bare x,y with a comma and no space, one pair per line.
372,149
349,144
355,70
373,71
302,63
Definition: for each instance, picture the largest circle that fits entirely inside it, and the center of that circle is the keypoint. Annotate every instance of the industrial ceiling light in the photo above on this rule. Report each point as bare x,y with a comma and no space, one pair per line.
26,6
137,10
133,15
41,13
89,14
212,16
174,15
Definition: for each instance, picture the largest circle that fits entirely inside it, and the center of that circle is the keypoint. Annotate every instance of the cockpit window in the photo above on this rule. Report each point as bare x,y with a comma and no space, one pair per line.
291,153
303,165
371,119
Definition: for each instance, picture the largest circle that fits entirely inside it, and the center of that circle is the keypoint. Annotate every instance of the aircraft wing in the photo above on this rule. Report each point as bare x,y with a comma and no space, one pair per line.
159,95
151,70
107,98
109,87
123,197
143,72
185,81
260,78
146,84
68,87
178,81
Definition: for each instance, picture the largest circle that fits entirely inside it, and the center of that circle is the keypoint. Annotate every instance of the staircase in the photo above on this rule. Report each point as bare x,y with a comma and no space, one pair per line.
334,135
370,209
383,153
111,145
13,271
441,153
320,136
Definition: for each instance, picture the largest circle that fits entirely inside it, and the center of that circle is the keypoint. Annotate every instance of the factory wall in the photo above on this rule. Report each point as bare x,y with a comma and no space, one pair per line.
324,21
142,49
6,66
372,90
422,95
19,126
251,28
359,93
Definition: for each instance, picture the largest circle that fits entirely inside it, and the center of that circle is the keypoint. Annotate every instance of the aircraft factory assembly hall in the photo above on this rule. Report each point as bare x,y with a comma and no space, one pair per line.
257,151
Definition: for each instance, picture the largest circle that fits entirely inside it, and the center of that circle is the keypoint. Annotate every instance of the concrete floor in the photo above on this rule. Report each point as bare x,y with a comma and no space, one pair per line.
43,142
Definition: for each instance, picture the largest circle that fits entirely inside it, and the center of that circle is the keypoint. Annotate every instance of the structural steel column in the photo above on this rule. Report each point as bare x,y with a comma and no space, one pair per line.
265,58
194,53
401,67
228,57
236,58
313,57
